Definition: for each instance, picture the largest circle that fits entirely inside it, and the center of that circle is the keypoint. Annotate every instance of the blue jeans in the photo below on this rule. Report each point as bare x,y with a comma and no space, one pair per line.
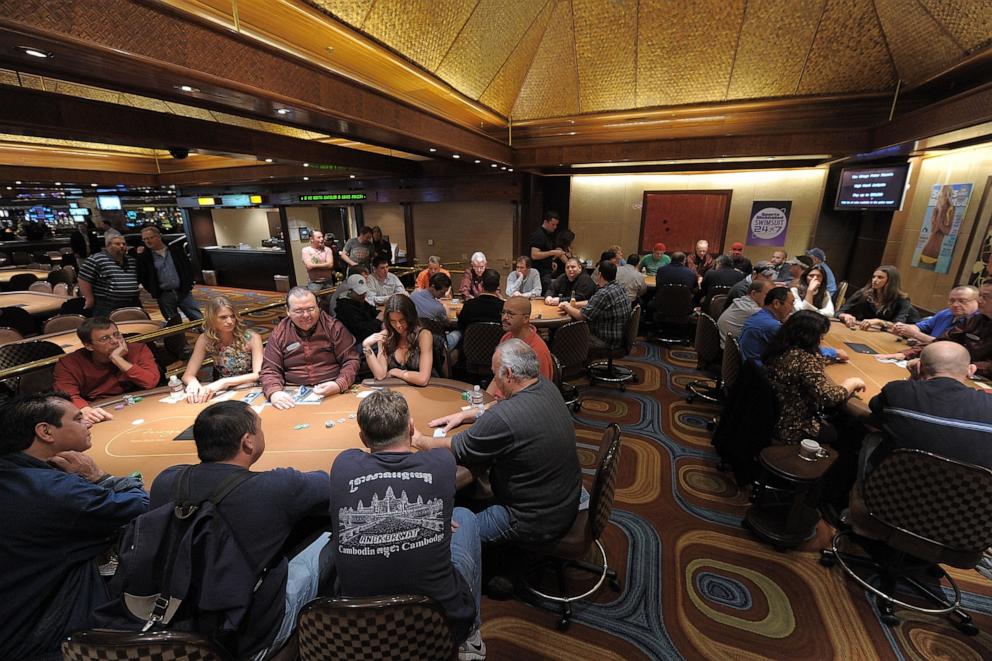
466,554
302,580
170,304
452,338
495,526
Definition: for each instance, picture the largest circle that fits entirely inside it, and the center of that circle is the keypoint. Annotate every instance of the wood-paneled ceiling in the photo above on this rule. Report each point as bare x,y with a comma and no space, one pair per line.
539,59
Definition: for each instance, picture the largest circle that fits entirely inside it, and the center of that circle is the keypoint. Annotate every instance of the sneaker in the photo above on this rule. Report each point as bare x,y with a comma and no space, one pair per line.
473,649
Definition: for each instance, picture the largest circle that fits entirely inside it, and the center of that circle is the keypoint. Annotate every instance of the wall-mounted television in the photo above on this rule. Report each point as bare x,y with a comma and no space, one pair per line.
108,202
871,188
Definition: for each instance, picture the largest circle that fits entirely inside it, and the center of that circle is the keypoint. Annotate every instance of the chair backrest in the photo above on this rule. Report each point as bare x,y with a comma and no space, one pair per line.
12,355
479,344
73,306
60,289
102,645
8,335
19,319
41,286
63,322
71,272
556,371
672,304
571,345
630,330
707,342
840,295
20,257
732,362
605,482
442,361
398,628
717,304
129,314
943,501
60,275
21,281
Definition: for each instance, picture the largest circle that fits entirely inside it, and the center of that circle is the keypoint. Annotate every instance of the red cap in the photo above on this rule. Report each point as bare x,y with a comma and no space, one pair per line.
737,245
660,246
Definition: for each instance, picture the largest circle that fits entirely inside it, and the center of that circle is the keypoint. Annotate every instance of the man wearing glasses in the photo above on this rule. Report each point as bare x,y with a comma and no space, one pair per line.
105,366
310,348
516,322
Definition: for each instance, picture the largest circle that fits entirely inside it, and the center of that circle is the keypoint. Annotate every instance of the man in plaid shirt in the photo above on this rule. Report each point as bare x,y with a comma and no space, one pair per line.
606,312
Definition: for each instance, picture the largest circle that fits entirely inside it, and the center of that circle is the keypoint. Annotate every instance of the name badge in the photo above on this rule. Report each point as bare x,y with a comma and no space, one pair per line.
292,347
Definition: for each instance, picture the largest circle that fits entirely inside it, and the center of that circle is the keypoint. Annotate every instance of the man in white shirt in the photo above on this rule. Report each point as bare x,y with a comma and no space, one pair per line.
318,260
381,283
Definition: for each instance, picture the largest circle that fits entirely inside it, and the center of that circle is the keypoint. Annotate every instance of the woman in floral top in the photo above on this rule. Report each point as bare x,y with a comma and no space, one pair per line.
236,351
795,369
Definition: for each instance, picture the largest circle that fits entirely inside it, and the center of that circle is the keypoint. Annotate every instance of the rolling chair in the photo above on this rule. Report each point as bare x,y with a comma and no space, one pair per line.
841,295
21,281
479,344
708,359
63,322
605,370
129,314
570,349
101,645
19,319
672,307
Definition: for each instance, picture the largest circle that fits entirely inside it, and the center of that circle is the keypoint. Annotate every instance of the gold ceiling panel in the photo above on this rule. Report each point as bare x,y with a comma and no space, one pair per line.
968,21
551,88
849,53
606,51
82,145
773,43
352,12
502,92
919,46
422,30
686,50
489,37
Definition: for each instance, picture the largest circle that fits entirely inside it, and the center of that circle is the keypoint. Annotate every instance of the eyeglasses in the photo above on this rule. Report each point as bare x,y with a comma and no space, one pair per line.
107,339
303,312
504,313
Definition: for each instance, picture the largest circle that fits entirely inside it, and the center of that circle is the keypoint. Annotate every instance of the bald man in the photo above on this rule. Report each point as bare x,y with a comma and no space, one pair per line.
939,412
516,323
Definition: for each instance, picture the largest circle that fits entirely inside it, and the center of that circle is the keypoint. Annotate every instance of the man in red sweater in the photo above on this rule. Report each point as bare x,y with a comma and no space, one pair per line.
106,365
516,323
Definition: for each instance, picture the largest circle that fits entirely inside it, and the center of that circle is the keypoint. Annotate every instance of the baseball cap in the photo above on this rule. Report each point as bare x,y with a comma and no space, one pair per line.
356,283
792,261
766,268
819,254
737,245
660,246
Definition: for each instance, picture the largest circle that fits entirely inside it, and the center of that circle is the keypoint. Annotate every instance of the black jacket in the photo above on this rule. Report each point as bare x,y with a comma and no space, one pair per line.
358,317
148,274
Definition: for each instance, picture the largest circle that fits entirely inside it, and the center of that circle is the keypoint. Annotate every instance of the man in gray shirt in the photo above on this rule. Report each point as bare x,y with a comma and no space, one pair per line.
528,438
733,318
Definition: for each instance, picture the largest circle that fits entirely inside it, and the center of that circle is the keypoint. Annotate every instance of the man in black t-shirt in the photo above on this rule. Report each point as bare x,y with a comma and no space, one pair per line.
487,306
394,524
542,248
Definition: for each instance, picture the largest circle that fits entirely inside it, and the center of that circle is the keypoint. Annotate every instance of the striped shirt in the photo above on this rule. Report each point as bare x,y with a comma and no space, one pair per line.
110,280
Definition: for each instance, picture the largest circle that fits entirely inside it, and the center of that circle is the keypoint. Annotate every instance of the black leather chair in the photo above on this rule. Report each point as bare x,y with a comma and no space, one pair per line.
101,645
672,309
19,319
911,514
732,363
397,628
709,359
605,370
479,344
21,353
74,306
21,281
570,348
572,550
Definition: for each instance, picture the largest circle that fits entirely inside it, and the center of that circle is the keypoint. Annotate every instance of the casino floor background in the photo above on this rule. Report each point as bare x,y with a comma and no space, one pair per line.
695,583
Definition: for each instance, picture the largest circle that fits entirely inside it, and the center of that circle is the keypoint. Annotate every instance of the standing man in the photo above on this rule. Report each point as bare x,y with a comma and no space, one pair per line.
60,512
109,279
606,312
358,251
820,258
701,260
381,283
654,260
318,259
737,258
309,347
542,248
166,273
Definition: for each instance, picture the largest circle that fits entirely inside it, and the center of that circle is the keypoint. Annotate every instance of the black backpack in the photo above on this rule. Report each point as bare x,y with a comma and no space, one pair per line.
181,568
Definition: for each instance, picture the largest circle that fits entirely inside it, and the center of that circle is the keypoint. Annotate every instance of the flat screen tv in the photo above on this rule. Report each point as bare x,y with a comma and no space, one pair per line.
871,188
108,202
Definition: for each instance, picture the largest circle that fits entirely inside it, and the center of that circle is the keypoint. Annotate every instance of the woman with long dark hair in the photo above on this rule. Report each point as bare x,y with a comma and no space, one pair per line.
879,304
795,370
381,246
403,349
812,294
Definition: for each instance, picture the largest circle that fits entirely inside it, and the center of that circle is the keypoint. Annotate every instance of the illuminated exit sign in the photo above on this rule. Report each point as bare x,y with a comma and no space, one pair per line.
334,197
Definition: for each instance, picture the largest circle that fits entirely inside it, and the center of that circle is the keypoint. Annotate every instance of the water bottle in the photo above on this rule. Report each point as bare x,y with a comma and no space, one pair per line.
175,385
571,300
478,401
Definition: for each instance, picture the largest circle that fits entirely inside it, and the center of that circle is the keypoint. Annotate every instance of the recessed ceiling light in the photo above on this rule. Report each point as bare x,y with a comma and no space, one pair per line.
283,111
268,160
18,183
432,150
503,168
10,188
571,132
510,170
456,156
306,165
93,185
494,165
34,52
351,176
172,185
306,178
186,88
58,183
477,161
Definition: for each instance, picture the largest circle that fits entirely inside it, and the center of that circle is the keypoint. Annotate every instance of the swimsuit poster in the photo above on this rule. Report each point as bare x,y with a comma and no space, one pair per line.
935,247
768,223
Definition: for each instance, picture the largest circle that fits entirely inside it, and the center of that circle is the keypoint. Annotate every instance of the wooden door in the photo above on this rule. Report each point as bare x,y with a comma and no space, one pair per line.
680,218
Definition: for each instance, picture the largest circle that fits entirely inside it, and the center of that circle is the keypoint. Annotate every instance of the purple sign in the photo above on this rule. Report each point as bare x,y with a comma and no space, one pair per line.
768,223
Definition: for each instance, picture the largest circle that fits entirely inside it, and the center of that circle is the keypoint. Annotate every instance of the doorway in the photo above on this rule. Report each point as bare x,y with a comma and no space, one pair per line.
680,218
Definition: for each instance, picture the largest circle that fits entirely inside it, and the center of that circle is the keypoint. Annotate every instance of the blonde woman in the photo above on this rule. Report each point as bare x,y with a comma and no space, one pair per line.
236,351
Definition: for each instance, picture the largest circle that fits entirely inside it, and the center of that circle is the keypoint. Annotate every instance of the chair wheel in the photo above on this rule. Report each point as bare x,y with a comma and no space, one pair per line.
563,624
967,628
577,406
889,619
710,426
827,558
689,398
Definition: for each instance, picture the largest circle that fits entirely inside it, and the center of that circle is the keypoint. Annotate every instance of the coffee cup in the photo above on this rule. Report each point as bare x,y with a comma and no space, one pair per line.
809,449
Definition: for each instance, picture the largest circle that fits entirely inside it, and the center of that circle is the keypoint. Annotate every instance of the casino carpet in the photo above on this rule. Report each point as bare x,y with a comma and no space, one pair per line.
695,584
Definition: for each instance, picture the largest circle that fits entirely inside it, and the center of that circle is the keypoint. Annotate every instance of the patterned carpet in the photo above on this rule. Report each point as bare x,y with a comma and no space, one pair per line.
695,584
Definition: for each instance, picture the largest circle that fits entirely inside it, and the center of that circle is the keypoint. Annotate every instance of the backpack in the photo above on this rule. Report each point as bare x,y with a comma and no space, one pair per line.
181,568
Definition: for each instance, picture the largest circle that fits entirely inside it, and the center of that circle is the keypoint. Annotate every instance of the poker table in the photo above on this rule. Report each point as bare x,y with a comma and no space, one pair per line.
69,341
541,314
650,281
862,365
141,436
7,273
35,302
